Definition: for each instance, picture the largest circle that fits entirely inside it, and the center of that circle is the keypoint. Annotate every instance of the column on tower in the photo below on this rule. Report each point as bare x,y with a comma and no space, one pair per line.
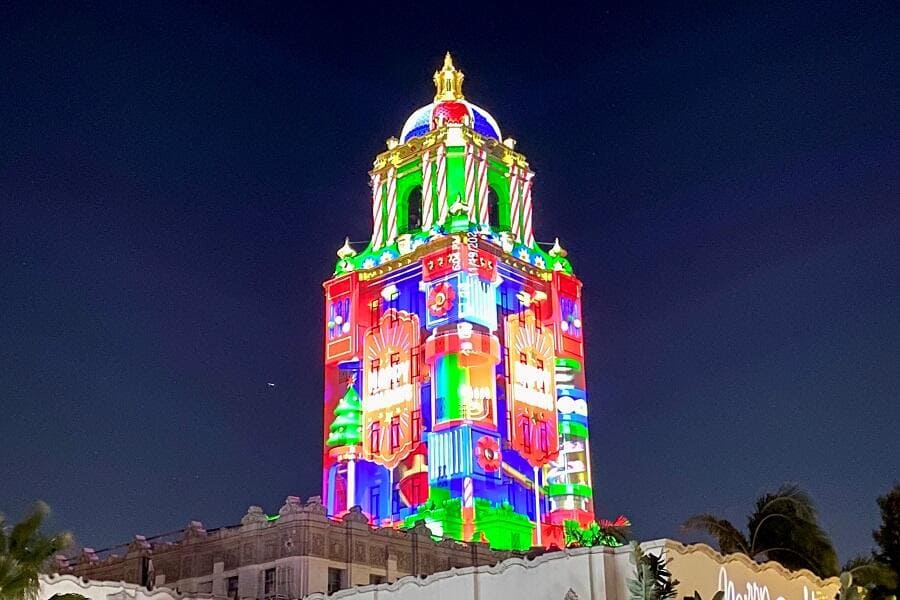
391,202
342,408
427,189
527,236
569,482
483,193
515,182
443,206
378,228
470,181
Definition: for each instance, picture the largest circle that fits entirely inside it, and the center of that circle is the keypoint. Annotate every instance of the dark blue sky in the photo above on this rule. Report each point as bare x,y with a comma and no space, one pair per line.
174,181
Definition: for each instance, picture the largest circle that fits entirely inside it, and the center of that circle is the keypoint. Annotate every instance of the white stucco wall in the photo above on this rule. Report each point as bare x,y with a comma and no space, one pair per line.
51,585
602,574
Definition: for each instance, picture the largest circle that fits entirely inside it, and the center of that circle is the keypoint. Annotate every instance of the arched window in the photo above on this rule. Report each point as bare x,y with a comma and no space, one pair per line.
414,206
493,209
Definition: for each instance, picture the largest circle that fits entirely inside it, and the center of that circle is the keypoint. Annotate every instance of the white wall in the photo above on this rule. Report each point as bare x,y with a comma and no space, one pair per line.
51,585
602,574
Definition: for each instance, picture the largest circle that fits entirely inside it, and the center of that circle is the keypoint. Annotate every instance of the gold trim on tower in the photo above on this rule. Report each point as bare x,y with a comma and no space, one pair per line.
448,82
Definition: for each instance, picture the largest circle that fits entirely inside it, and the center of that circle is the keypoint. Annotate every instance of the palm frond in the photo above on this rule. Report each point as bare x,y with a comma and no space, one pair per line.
785,528
24,551
727,536
869,572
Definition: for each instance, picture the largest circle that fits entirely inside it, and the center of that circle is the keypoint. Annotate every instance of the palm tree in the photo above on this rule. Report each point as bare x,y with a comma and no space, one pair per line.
877,578
24,552
783,527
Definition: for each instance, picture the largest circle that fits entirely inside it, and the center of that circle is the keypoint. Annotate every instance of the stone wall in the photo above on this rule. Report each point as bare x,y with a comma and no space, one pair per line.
300,545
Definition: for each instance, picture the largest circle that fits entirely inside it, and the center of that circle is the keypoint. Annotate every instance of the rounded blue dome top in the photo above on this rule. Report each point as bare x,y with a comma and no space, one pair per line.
449,106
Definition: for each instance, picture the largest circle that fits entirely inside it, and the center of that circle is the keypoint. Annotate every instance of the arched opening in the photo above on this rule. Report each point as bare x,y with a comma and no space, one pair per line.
414,207
493,209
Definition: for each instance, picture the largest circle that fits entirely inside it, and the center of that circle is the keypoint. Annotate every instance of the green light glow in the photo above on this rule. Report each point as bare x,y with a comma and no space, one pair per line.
574,429
570,363
369,258
569,489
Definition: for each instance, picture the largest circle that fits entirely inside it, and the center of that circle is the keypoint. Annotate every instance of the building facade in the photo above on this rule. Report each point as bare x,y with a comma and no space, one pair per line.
455,405
454,355
297,552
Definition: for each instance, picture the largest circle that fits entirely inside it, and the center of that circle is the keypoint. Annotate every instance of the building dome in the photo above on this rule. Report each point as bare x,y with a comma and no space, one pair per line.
449,106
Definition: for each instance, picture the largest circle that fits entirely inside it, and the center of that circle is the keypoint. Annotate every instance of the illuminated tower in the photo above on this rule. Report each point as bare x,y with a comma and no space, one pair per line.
454,363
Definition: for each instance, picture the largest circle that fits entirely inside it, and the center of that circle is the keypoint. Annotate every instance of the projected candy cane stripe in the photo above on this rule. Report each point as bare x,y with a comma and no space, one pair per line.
377,202
514,225
527,230
468,493
443,207
392,205
483,207
470,180
427,192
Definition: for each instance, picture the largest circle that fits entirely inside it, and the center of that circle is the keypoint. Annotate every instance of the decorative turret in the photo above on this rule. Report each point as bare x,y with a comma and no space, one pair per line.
346,251
557,249
448,82
450,154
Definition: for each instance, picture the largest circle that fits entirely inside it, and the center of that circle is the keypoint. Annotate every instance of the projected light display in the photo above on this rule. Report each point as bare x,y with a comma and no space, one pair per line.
454,363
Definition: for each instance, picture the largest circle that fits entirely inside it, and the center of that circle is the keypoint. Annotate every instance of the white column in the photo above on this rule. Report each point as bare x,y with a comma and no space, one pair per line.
351,483
537,506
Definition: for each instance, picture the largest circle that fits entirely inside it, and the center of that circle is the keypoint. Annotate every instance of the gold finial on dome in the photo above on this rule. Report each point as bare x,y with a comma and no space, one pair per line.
346,251
448,82
557,251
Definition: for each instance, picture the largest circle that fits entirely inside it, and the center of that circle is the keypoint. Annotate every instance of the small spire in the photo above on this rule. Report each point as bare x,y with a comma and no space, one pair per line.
557,250
448,82
346,250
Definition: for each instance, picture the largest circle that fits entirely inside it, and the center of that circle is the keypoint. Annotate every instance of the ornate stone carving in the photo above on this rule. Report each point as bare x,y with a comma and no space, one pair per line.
89,555
427,561
317,545
377,555
187,566
138,544
355,515
359,551
271,551
254,516
570,595
247,556
314,505
291,506
420,528
289,542
194,532
336,549
205,564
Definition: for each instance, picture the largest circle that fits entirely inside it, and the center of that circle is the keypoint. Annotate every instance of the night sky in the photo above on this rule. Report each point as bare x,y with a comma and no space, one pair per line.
175,181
